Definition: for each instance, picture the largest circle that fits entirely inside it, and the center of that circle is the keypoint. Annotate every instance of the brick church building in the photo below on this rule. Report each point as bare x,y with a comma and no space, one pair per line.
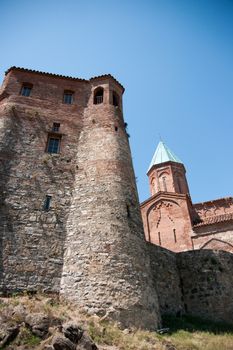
170,218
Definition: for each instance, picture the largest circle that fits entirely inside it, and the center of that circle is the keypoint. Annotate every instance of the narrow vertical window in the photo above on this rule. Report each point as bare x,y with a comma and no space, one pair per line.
153,186
164,184
47,202
53,145
98,96
115,99
159,238
26,89
128,211
178,183
68,97
56,127
174,233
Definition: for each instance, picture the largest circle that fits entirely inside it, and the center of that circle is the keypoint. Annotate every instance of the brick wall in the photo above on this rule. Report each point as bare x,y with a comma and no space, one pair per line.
215,236
167,222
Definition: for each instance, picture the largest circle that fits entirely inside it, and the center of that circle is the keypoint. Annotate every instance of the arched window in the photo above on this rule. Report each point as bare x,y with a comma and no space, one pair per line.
153,186
115,99
98,95
164,183
178,184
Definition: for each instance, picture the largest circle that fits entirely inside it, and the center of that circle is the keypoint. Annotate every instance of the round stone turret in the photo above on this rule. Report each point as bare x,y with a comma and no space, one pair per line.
106,268
70,219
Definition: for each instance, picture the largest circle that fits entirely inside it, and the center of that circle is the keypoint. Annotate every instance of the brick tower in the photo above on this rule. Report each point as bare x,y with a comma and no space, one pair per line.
166,214
69,211
168,177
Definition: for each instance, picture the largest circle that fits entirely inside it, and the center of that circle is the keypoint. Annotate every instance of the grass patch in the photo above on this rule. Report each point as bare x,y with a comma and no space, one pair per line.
27,338
185,333
106,333
193,333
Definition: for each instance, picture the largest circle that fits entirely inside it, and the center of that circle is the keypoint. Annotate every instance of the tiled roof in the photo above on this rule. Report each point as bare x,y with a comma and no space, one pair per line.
228,199
104,76
211,220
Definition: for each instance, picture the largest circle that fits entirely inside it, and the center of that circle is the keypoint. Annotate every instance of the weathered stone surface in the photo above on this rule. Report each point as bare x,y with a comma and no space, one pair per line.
62,343
8,334
86,343
166,278
206,283
89,246
39,323
72,332
90,243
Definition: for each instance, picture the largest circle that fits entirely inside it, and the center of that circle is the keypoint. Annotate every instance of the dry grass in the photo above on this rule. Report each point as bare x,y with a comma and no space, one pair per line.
186,334
184,340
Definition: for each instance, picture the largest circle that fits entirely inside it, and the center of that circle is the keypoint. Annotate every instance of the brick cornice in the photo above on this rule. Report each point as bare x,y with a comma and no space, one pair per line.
104,76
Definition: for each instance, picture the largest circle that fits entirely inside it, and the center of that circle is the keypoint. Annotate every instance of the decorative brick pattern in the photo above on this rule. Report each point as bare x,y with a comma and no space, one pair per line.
172,221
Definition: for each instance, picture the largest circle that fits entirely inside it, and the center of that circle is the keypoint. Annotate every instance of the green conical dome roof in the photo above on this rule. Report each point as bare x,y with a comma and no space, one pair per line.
163,154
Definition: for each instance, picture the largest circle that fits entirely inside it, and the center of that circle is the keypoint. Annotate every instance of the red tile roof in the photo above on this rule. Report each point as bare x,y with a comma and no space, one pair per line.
104,76
227,199
215,219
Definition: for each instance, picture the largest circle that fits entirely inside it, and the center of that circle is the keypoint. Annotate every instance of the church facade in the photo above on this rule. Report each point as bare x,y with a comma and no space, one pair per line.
170,218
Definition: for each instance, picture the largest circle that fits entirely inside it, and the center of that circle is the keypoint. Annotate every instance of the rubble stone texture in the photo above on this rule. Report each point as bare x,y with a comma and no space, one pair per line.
89,245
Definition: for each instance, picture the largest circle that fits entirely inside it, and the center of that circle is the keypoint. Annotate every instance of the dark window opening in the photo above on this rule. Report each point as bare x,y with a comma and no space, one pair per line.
53,144
179,186
174,232
68,97
56,127
47,202
116,128
159,238
115,99
128,211
98,96
26,90
164,184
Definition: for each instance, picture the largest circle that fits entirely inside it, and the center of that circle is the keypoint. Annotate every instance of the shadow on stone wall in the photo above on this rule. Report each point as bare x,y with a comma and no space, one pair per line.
197,283
191,324
207,282
9,131
32,240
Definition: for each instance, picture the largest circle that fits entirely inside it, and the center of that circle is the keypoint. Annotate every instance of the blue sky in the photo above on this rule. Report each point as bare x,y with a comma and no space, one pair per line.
174,57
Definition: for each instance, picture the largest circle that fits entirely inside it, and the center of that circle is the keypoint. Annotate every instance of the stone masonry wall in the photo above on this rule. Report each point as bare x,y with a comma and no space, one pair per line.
89,245
206,283
106,267
32,239
166,280
195,282
92,234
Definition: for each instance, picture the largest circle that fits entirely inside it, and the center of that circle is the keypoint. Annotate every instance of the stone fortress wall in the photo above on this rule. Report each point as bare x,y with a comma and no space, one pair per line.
89,246
197,283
